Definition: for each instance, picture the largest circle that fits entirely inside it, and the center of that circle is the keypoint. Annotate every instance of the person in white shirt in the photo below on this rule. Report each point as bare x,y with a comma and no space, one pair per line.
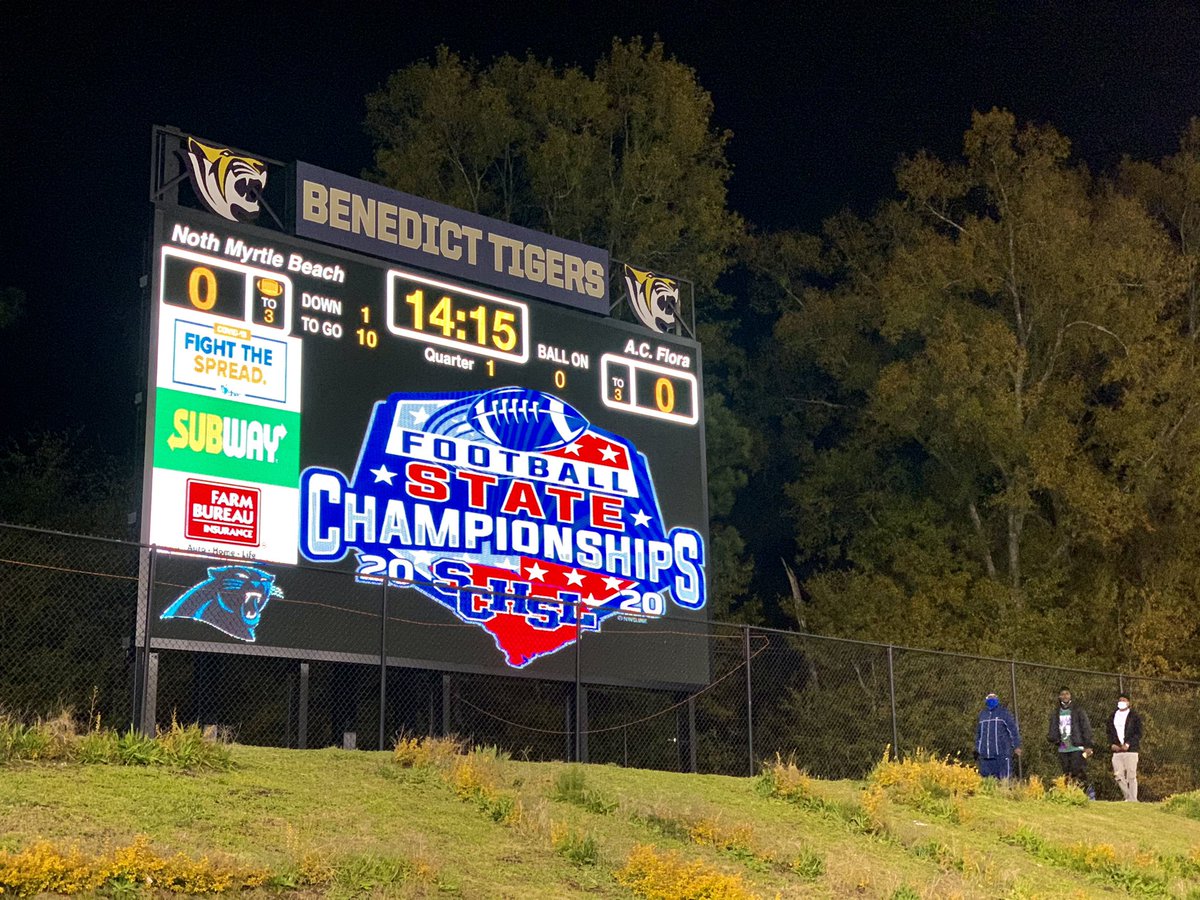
1125,739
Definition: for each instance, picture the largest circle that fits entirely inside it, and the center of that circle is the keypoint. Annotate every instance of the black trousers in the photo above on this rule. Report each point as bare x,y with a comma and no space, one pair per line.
1074,766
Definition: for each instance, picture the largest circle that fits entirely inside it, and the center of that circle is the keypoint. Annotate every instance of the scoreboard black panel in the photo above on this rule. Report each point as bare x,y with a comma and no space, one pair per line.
517,482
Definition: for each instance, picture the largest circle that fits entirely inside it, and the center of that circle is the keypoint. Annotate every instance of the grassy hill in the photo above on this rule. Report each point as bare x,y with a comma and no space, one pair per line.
430,821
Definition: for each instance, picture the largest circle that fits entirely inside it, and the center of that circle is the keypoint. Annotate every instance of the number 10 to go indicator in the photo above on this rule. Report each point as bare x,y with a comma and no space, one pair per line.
646,389
450,315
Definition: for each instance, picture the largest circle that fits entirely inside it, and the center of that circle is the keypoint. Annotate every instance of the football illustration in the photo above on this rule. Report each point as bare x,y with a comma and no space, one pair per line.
522,419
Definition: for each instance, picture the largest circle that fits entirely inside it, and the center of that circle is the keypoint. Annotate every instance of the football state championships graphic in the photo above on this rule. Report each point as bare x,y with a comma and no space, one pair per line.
509,509
231,599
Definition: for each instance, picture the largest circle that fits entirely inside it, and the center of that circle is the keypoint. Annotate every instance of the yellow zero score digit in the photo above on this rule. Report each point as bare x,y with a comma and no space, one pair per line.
664,395
202,288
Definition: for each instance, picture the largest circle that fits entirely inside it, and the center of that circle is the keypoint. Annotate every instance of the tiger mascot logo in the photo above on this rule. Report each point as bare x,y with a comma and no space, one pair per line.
231,599
653,298
229,185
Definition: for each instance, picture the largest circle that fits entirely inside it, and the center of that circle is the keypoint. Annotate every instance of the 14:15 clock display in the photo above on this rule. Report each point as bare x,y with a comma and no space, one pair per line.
424,309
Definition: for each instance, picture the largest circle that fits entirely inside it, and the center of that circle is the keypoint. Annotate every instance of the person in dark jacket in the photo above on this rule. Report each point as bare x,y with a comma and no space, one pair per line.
996,739
1071,732
1125,739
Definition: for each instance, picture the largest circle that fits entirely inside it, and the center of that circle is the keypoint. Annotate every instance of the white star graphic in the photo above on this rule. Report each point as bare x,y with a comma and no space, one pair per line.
591,600
421,559
419,415
382,474
535,572
608,454
574,578
613,584
640,518
571,450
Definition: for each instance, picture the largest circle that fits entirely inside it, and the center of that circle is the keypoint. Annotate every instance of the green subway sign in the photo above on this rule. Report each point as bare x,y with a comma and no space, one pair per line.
226,439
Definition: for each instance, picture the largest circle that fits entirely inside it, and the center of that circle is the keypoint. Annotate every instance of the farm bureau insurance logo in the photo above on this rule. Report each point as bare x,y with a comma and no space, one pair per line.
506,506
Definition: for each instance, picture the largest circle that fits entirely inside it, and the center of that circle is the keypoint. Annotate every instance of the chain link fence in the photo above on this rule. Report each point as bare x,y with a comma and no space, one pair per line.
86,625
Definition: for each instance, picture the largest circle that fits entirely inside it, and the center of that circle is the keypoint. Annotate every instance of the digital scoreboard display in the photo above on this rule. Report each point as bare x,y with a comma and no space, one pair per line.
528,474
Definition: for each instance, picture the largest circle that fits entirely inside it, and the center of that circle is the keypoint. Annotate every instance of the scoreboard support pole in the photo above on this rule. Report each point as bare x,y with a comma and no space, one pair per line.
150,710
146,667
582,723
576,716
383,617
685,732
302,710
691,719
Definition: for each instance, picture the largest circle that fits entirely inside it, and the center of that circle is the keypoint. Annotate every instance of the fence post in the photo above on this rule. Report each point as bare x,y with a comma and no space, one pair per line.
578,703
581,727
749,697
144,706
1012,665
892,695
691,713
383,616
141,621
152,693
302,710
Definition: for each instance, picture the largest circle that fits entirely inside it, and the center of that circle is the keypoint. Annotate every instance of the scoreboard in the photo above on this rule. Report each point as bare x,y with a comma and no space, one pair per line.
326,427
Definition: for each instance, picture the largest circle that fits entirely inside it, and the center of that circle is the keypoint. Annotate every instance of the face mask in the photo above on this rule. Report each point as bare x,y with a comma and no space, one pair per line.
992,702
1122,705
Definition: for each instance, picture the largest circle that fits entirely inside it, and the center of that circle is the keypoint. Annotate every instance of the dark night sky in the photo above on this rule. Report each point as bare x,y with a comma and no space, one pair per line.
822,99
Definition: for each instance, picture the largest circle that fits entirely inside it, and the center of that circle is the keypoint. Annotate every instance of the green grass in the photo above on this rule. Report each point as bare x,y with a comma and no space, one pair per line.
358,824
1184,804
59,739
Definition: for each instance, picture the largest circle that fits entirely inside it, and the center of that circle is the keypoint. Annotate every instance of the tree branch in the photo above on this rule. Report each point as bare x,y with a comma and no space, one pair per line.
1100,328
946,219
816,402
983,541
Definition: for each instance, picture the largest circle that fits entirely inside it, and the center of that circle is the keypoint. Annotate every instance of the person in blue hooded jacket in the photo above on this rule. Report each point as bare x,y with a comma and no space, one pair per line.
996,739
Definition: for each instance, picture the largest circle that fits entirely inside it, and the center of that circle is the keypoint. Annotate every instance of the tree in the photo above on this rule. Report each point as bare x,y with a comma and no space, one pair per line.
1167,556
12,305
52,480
624,158
995,391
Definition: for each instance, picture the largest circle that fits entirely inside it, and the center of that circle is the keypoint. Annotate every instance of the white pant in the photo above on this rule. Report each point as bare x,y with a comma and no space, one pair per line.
1125,772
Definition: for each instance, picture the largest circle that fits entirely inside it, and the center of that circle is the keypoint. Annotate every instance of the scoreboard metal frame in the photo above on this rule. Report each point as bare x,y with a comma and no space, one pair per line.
551,459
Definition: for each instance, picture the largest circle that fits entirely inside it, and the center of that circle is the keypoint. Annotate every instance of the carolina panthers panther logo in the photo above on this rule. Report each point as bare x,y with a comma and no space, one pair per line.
229,185
231,599
654,298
